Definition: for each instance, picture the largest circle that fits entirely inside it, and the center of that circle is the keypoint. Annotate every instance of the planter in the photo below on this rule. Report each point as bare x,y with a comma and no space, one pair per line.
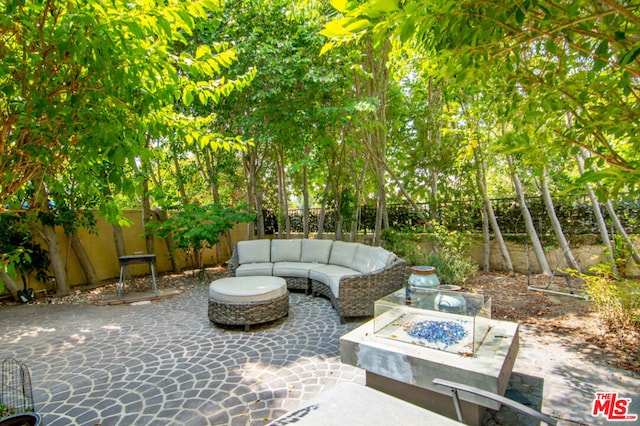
24,419
423,277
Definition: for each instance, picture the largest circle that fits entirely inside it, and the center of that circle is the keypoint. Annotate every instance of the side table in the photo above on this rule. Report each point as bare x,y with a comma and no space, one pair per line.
125,261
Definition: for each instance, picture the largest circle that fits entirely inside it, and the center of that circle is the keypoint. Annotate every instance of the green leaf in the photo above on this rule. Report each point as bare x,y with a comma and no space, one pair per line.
520,15
377,8
203,50
601,51
358,25
187,96
340,5
326,47
629,56
337,28
406,31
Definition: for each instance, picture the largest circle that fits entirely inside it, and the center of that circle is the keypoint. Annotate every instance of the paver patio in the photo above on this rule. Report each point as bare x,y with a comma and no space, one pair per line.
163,363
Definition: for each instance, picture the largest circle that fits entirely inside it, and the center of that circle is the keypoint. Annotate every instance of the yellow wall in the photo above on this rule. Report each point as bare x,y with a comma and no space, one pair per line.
101,249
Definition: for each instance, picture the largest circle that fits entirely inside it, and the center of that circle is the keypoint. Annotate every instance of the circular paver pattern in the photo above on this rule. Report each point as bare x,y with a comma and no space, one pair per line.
164,363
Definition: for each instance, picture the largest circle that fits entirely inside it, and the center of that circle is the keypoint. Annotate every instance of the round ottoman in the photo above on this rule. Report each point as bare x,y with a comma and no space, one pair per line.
248,300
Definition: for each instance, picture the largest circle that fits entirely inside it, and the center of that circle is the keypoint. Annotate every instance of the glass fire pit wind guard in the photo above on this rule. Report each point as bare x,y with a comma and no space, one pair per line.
445,320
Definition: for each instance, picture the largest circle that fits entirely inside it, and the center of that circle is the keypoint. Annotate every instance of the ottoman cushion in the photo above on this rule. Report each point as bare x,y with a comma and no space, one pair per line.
247,289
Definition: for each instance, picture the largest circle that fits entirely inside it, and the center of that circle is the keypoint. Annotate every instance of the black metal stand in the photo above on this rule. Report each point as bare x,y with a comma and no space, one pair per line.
136,259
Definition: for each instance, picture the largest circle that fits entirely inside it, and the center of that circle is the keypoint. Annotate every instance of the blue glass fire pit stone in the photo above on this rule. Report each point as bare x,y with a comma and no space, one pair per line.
446,333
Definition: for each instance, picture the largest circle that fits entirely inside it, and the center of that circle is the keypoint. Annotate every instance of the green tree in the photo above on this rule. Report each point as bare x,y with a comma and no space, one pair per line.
87,83
579,58
196,227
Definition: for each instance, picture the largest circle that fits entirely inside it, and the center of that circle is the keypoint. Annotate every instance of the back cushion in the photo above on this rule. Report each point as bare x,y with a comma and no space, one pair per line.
286,250
316,251
369,259
343,253
254,251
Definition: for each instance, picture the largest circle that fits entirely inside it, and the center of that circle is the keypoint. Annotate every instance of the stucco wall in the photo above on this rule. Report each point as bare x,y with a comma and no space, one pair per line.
101,249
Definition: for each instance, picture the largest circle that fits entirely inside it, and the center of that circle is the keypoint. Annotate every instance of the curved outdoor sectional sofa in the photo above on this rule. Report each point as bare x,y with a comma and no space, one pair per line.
351,275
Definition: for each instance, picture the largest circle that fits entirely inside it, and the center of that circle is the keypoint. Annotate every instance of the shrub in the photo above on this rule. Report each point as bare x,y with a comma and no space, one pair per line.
617,300
449,257
451,268
194,227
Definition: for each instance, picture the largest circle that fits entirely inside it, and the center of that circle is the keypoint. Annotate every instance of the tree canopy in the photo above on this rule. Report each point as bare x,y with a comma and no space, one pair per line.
85,83
572,65
339,104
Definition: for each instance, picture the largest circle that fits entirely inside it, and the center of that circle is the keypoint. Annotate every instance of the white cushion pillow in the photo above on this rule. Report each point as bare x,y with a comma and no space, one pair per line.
254,251
292,269
247,290
369,259
286,250
330,275
343,253
258,268
316,251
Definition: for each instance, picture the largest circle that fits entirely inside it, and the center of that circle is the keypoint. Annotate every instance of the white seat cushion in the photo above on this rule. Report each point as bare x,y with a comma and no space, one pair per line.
369,259
343,253
254,269
286,250
247,289
292,269
255,251
330,275
316,251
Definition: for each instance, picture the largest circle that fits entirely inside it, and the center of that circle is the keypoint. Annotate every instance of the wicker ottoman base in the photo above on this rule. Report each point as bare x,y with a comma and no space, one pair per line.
248,313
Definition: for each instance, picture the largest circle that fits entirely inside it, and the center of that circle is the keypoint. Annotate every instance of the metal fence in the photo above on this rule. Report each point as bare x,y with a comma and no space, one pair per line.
576,216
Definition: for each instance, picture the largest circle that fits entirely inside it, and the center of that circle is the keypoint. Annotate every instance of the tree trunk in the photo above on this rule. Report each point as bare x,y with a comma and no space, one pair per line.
161,216
179,179
602,226
83,259
531,230
10,284
486,237
118,239
620,229
284,228
504,251
434,139
146,218
55,256
481,173
305,198
323,209
616,224
355,219
375,138
380,212
555,223
251,169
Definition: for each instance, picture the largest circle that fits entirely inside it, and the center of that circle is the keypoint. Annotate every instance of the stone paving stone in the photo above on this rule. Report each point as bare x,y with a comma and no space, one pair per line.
164,363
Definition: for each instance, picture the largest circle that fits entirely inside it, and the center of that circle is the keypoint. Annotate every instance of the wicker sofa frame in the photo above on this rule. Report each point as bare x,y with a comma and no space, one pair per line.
357,293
